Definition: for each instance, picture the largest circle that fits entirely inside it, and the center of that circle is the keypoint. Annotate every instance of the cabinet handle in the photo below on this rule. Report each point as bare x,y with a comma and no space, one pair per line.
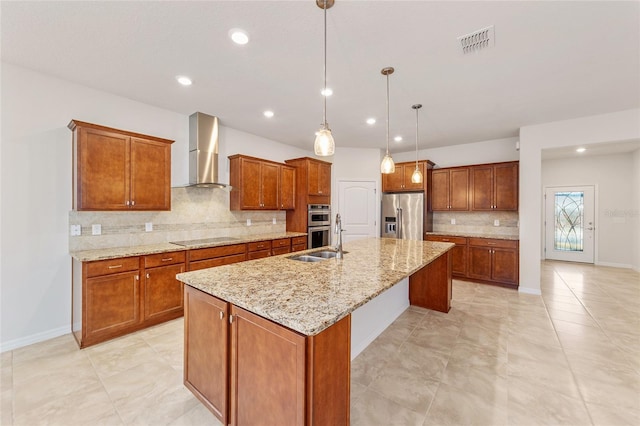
137,277
167,259
148,276
319,192
491,244
445,239
133,203
115,266
221,315
126,203
230,319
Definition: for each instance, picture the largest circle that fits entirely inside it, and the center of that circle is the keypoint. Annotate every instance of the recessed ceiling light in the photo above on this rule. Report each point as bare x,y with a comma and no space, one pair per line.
185,81
268,114
326,92
239,36
581,149
398,139
371,121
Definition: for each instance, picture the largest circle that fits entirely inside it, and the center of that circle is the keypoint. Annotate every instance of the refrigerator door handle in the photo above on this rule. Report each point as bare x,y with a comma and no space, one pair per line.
399,219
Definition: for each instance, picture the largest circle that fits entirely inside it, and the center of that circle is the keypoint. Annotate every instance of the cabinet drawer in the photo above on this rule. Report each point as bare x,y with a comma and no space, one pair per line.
487,242
112,266
162,259
299,247
212,252
448,239
281,250
260,245
295,241
282,242
258,254
218,261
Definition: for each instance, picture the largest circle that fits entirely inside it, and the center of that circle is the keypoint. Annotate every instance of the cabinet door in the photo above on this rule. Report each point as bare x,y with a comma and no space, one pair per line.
324,179
505,265
269,186
163,294
506,187
267,372
287,188
206,341
102,170
150,175
459,260
250,183
482,188
480,263
393,181
112,304
440,190
459,189
408,172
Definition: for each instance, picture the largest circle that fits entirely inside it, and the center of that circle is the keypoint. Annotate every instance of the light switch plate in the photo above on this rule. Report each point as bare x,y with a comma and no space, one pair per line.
96,229
453,221
275,222
148,226
496,222
76,230
248,222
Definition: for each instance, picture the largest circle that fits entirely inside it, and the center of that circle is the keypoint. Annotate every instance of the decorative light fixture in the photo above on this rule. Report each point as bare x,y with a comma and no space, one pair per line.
324,144
416,177
387,166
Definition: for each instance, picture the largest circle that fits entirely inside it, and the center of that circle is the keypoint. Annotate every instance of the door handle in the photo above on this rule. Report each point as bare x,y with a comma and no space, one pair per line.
591,228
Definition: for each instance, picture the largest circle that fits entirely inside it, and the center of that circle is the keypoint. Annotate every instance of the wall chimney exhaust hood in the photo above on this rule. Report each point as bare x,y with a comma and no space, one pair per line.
203,151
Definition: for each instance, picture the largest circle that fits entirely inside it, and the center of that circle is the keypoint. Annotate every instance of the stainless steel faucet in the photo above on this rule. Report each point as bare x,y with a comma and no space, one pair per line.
338,230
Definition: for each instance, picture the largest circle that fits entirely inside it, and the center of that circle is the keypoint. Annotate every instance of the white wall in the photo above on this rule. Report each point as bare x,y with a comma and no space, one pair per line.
492,151
613,127
612,176
635,212
35,196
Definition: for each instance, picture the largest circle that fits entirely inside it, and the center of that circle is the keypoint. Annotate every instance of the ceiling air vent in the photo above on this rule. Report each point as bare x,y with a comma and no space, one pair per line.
477,40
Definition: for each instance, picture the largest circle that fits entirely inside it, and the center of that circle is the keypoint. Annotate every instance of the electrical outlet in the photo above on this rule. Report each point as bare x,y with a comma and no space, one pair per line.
76,230
248,222
275,222
496,222
453,221
148,226
96,229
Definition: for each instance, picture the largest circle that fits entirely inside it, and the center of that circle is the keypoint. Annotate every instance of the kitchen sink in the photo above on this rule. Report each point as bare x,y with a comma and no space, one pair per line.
315,256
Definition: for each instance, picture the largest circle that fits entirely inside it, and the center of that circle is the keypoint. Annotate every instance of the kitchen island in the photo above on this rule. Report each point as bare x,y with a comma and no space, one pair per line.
269,341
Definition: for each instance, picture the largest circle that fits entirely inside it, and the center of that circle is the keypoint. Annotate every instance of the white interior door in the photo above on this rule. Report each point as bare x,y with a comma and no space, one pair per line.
570,223
357,207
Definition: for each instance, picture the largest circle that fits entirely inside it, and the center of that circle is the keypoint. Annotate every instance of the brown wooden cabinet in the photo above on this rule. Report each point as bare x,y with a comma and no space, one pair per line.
400,180
298,243
258,250
493,260
249,370
216,256
313,186
163,293
119,170
431,286
458,253
281,246
494,187
254,182
287,196
449,189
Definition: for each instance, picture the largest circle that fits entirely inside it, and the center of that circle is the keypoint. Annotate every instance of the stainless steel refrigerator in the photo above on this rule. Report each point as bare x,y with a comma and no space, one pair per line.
402,216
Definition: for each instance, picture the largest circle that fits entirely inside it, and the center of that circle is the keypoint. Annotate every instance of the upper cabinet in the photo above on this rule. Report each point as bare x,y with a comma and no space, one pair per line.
449,189
483,187
313,180
494,187
119,170
400,180
260,184
319,178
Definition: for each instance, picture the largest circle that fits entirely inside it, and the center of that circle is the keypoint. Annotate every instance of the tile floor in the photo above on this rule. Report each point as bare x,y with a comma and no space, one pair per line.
570,357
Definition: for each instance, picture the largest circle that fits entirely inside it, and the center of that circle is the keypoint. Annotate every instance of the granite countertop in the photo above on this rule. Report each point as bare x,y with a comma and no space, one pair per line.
116,252
475,235
308,297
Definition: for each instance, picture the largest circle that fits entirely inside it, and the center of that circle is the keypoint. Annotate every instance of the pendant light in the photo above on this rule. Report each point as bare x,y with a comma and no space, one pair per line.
416,177
387,166
324,145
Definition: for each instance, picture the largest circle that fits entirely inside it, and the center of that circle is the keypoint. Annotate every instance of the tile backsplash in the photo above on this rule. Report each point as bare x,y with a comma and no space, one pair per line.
195,213
477,222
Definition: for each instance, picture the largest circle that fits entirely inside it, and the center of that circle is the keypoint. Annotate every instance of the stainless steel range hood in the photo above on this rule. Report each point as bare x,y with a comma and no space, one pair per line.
203,151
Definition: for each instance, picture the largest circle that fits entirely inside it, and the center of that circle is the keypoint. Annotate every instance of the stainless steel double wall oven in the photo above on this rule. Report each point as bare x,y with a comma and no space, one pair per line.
318,225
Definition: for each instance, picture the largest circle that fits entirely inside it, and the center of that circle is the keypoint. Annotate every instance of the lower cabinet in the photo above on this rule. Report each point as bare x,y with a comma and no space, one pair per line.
281,246
163,294
458,253
258,250
248,370
298,243
216,256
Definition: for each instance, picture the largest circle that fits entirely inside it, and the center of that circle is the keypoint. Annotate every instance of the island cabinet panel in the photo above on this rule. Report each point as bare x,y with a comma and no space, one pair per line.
267,372
206,342
163,293
430,287
119,170
216,256
458,253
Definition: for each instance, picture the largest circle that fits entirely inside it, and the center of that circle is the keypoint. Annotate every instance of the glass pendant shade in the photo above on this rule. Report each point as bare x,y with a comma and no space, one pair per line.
324,145
416,177
387,166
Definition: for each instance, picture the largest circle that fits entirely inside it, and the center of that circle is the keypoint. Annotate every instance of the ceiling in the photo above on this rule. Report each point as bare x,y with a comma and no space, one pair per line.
551,61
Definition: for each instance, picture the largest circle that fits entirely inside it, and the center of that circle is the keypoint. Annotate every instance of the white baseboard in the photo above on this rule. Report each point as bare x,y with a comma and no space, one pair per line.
371,319
525,290
615,265
34,338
